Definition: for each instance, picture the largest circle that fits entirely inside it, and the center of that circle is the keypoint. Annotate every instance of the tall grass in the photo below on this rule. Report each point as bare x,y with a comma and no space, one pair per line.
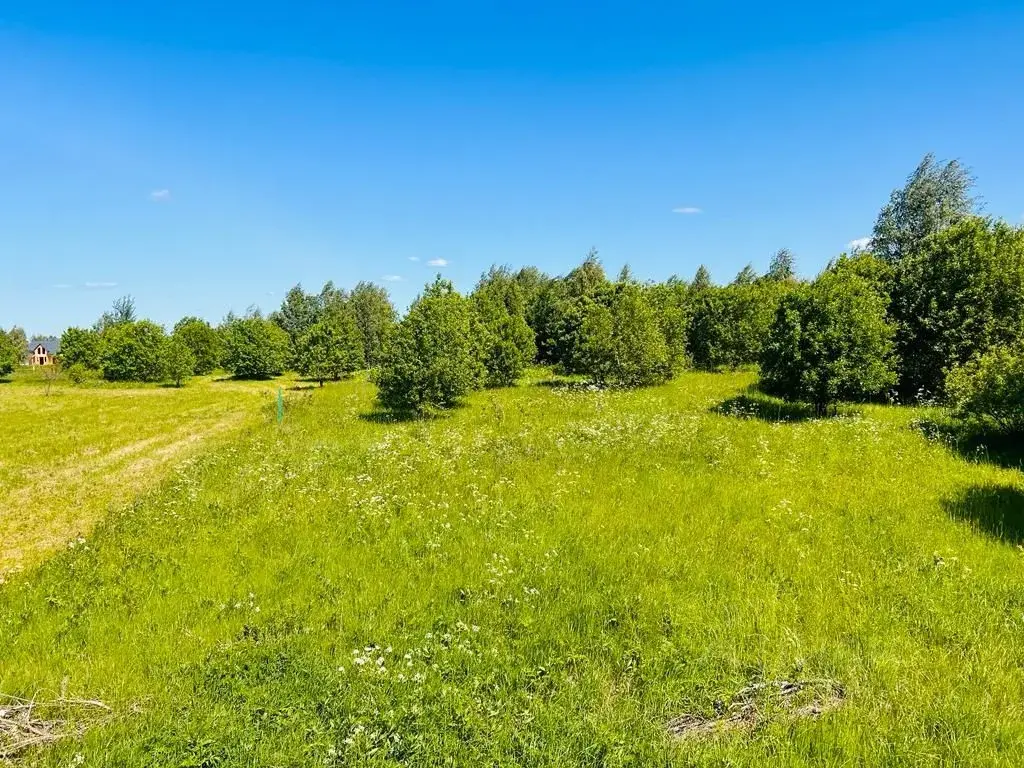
546,577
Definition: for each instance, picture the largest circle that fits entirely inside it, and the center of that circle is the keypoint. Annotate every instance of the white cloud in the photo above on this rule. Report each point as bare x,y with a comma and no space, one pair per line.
393,278
689,209
859,244
100,284
62,285
414,258
438,262
160,195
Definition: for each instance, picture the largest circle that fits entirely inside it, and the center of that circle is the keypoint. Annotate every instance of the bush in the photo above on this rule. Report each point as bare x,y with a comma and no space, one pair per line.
79,374
80,346
990,388
960,294
10,355
671,303
331,347
624,345
178,360
506,348
830,341
375,317
730,324
558,309
429,361
202,341
254,348
132,351
506,342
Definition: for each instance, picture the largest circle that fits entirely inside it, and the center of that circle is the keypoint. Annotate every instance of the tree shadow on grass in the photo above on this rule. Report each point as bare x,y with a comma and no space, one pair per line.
995,510
757,405
975,442
381,416
579,385
223,379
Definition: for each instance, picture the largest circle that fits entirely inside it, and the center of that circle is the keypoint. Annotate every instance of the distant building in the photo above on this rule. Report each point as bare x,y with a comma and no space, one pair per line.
42,351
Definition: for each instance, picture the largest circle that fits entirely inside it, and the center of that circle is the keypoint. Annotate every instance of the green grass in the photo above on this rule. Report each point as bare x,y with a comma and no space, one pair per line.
69,453
546,577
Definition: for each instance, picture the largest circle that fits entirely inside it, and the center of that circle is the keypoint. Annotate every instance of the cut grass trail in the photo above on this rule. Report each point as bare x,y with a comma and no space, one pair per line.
67,454
546,577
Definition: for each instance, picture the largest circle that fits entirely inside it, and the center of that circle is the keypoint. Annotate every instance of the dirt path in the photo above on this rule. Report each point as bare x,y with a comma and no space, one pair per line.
67,500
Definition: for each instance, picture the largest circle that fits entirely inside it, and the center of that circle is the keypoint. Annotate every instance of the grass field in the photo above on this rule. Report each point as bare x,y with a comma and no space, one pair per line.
550,576
68,454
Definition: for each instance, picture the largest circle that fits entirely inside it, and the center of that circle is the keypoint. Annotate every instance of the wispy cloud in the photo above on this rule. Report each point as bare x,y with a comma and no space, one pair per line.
438,262
100,284
392,278
859,244
414,258
160,195
62,285
687,209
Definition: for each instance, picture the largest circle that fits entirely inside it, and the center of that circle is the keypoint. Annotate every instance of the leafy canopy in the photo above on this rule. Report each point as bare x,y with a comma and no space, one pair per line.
830,341
430,360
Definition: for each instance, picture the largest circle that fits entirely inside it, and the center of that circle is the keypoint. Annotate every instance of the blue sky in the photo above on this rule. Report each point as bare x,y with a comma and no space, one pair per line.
207,156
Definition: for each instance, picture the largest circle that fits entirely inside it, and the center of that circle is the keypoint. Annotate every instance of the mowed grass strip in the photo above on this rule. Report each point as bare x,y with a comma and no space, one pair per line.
67,454
548,576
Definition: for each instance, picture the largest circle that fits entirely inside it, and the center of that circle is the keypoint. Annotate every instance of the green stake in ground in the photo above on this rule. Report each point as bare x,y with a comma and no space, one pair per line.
280,406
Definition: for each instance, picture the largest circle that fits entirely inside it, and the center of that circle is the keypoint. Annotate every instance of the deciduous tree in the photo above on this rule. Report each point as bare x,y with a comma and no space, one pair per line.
429,360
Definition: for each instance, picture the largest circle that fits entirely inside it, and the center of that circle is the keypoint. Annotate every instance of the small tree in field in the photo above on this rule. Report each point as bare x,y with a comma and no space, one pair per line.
672,307
254,348
959,294
132,351
331,347
990,388
375,317
80,346
10,354
624,345
202,341
429,361
505,341
830,341
179,362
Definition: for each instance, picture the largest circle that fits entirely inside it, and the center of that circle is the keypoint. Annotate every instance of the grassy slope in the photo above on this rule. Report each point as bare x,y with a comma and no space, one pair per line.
545,578
67,454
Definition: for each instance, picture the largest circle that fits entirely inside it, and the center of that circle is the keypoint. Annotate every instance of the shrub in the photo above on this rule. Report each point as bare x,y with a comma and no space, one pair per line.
671,303
10,355
506,348
375,317
506,343
132,351
730,323
429,361
254,348
990,388
330,348
830,341
202,341
960,294
79,374
178,360
80,346
624,345
558,308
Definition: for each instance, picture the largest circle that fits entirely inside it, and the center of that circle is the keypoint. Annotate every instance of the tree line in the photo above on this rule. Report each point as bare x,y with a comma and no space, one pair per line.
932,310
